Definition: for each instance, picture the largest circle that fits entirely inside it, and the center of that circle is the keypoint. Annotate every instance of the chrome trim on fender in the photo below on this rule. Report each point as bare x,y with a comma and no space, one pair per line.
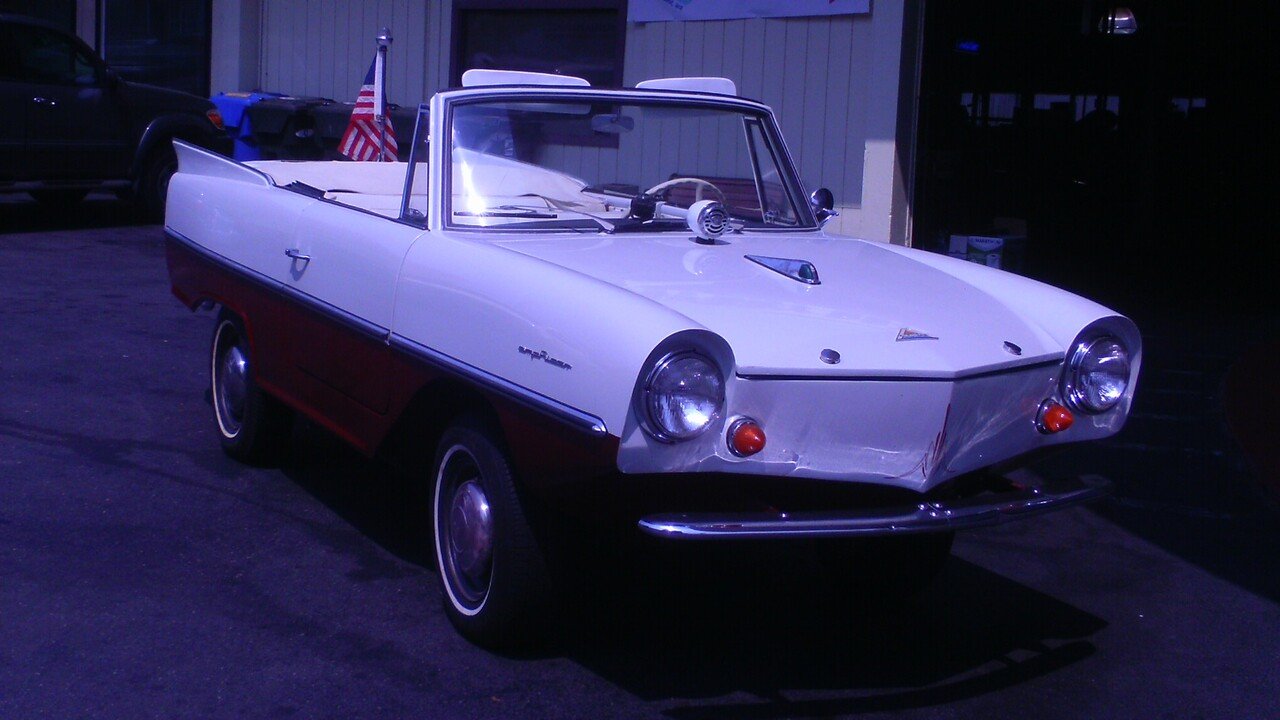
567,414
337,314
978,511
1009,368
578,419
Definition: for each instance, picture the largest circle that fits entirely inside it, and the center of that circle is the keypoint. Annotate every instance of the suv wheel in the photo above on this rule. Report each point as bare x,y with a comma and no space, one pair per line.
153,183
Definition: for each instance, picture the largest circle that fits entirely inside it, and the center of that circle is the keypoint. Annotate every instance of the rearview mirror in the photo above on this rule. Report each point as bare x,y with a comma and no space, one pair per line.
823,204
615,123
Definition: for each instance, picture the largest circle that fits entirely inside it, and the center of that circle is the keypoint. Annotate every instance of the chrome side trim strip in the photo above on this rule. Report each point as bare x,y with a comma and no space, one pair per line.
979,511
533,400
332,312
579,420
246,272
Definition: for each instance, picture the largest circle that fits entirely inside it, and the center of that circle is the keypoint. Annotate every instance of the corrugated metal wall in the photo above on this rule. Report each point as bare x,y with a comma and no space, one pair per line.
809,70
814,72
324,47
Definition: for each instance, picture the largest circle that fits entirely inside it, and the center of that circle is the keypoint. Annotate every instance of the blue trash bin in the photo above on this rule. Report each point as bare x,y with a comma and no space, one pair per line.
233,107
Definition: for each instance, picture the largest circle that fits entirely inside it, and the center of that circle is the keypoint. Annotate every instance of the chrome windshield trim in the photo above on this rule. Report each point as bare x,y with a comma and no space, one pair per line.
786,165
979,511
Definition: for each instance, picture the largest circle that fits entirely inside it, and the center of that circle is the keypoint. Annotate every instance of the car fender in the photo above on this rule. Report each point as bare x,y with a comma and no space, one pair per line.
559,336
166,128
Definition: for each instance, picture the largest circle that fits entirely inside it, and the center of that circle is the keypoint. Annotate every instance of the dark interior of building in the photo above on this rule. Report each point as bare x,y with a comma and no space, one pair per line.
1120,152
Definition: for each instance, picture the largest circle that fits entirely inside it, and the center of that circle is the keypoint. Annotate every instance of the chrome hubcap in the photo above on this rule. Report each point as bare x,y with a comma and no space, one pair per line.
471,535
232,389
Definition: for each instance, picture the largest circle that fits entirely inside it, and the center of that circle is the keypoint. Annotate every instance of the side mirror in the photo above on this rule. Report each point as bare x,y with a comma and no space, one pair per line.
823,204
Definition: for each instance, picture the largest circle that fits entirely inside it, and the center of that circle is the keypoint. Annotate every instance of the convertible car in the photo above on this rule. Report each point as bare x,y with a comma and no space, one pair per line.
621,304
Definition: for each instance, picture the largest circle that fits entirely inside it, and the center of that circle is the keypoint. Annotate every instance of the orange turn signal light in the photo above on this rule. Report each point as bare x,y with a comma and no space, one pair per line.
746,437
1053,418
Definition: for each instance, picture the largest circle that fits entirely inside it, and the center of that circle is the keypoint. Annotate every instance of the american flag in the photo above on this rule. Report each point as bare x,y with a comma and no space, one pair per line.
363,136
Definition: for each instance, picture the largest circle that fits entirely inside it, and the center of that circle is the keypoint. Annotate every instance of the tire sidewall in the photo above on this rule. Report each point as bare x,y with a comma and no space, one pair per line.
438,511
518,585
154,186
264,427
227,333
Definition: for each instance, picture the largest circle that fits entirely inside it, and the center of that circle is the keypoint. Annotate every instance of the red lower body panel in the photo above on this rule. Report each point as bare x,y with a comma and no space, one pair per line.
354,383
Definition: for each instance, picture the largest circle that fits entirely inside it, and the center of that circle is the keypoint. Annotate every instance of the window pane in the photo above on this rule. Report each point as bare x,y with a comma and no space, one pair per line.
515,164
159,42
416,204
582,43
45,57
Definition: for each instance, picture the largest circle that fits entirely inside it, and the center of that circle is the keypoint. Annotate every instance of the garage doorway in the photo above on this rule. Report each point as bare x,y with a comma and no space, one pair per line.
1111,136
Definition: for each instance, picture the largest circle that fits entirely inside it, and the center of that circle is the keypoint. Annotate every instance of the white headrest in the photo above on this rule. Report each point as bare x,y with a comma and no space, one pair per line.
716,85
480,78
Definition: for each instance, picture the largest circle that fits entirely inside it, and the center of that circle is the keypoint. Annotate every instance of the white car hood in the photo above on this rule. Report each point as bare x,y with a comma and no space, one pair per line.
871,299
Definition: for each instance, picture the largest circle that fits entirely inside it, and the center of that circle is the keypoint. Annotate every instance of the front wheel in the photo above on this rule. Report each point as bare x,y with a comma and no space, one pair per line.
252,425
492,571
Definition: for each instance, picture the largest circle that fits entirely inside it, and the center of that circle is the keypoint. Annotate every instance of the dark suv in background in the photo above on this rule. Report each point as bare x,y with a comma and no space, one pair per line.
69,124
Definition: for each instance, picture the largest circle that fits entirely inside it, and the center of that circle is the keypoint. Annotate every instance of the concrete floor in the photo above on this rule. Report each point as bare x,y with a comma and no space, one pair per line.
144,574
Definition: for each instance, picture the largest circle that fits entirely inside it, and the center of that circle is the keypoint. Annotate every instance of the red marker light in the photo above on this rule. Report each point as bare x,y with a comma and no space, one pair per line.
746,437
1054,418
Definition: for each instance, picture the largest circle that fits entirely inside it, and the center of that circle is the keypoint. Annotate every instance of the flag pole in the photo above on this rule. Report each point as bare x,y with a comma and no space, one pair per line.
380,88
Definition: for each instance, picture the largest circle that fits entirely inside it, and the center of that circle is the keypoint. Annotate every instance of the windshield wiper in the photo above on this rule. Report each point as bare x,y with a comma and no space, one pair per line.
567,206
508,211
657,224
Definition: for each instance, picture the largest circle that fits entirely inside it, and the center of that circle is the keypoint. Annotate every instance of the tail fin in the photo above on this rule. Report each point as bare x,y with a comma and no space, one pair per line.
194,160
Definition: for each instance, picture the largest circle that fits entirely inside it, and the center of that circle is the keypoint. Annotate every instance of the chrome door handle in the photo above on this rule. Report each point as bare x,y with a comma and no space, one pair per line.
297,254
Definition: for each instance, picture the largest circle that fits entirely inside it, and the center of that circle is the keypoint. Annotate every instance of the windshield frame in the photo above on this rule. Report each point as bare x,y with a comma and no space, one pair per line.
750,109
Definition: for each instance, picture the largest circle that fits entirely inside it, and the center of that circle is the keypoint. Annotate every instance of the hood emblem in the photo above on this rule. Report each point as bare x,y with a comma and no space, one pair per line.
829,356
544,357
1011,348
908,334
798,270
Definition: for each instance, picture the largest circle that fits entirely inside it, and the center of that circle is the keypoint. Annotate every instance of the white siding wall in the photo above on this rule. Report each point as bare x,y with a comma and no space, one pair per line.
833,82
811,71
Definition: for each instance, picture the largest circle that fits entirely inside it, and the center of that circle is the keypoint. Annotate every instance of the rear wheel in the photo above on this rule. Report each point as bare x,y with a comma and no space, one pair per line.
491,568
252,425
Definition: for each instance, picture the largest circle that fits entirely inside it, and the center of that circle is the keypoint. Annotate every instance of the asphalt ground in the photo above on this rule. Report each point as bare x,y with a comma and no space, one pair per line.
145,574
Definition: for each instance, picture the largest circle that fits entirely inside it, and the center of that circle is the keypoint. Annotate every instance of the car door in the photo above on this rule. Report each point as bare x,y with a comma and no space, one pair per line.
74,126
344,263
13,109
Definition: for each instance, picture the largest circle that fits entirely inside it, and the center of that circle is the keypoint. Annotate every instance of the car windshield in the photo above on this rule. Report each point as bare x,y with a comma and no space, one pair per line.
585,164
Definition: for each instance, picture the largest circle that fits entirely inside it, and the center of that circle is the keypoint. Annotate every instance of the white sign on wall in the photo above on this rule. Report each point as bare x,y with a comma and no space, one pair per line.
667,10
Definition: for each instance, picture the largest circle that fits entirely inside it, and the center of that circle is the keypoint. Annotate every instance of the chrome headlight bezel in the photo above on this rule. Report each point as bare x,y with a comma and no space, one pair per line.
1075,390
651,395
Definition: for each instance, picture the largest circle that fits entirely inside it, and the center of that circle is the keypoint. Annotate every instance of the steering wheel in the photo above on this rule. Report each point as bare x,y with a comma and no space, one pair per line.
699,183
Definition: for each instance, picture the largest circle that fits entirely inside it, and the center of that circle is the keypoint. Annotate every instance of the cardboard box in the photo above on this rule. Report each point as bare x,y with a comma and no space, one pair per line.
985,250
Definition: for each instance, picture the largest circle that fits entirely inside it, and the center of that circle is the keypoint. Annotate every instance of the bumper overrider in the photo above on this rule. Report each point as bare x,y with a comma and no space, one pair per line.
991,508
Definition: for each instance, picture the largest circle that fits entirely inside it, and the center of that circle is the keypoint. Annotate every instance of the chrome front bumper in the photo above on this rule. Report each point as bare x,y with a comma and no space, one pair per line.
978,511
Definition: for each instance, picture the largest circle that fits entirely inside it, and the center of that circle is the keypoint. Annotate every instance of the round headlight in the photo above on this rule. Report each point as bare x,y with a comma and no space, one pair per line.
1097,375
682,397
